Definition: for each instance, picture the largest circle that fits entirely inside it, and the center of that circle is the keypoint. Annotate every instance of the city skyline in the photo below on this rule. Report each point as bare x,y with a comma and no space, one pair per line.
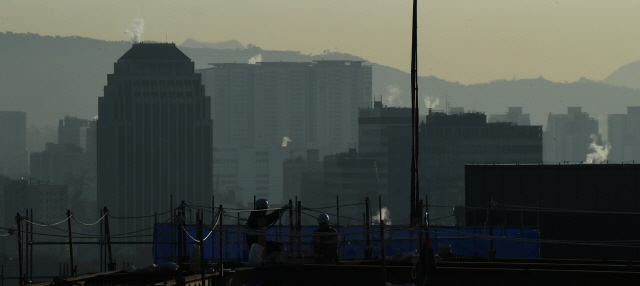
464,41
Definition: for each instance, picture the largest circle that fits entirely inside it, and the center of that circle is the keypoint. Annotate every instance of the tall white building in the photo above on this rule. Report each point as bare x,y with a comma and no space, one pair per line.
624,135
568,136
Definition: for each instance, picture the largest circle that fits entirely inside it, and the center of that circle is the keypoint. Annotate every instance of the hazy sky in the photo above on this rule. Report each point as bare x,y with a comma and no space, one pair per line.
459,40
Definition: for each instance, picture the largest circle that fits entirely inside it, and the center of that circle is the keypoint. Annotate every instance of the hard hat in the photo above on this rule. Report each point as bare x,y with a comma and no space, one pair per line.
323,218
262,204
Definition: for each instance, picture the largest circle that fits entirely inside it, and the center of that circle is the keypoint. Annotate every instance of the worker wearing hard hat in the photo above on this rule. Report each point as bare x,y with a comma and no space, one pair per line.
325,241
256,223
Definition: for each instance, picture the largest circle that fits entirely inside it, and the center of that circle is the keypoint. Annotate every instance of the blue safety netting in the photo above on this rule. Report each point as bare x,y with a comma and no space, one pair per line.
508,242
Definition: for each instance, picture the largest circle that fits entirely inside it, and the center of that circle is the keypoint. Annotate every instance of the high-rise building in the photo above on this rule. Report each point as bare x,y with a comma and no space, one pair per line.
624,135
303,104
230,87
76,131
385,135
514,115
265,107
568,136
154,135
449,142
340,89
13,144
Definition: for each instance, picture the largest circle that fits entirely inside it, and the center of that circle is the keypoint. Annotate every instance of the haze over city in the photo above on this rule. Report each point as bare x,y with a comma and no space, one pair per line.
201,136
465,41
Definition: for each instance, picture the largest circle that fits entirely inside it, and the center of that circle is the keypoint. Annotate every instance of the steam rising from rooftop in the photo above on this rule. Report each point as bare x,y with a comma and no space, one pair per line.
136,28
257,58
599,153
429,102
385,216
394,94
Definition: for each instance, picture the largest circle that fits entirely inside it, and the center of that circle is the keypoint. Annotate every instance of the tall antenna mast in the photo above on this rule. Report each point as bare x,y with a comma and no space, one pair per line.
415,121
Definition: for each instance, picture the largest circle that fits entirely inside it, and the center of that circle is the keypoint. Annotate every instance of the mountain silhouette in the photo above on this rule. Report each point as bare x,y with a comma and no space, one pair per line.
50,77
626,76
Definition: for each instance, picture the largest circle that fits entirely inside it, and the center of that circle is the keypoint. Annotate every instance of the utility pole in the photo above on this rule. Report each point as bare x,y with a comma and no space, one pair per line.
492,204
112,265
20,258
73,269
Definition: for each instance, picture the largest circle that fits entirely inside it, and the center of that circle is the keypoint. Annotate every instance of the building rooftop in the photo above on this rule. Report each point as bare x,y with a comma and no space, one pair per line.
155,51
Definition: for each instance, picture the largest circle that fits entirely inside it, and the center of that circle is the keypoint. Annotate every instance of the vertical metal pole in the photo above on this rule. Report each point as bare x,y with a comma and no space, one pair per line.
338,209
220,239
299,228
291,226
26,239
31,251
112,265
213,221
382,253
366,220
20,258
201,238
155,238
69,214
179,232
173,229
490,257
238,233
380,206
101,243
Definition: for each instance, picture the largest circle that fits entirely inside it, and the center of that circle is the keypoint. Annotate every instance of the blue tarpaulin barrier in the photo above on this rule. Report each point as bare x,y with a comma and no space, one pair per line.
508,242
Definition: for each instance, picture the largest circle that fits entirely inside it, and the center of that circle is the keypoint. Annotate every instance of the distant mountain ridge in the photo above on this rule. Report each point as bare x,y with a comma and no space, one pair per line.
231,45
50,77
627,76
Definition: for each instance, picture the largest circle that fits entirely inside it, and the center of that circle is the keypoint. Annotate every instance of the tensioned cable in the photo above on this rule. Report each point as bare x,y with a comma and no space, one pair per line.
27,219
90,224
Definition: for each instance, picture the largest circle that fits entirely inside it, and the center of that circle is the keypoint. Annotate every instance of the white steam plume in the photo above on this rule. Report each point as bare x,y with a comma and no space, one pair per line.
285,141
430,103
385,217
135,30
257,58
599,153
394,94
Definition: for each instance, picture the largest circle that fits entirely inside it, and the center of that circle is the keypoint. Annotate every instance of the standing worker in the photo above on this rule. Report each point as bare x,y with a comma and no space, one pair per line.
257,221
325,241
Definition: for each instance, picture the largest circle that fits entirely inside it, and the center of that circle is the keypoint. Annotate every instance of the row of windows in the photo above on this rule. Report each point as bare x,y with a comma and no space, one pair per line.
170,82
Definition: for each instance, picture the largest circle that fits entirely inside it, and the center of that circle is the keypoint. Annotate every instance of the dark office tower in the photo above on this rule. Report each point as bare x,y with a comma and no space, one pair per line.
448,142
13,144
154,135
385,135
76,131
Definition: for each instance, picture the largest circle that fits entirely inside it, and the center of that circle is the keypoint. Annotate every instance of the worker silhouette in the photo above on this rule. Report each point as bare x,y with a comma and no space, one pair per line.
325,241
256,223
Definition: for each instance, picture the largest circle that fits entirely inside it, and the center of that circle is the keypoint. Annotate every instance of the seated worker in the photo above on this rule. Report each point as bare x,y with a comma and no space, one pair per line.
257,221
325,241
